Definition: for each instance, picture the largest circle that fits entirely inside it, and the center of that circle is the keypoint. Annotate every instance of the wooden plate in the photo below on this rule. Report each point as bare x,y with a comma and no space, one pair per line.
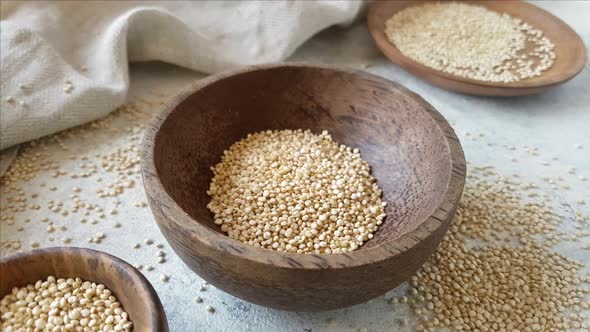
570,50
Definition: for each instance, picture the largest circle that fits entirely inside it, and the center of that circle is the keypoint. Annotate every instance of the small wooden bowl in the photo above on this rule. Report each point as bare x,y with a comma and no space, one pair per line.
569,47
414,154
135,293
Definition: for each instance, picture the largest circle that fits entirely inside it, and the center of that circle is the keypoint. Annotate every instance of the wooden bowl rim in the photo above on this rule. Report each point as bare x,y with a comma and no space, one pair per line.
219,242
378,34
152,303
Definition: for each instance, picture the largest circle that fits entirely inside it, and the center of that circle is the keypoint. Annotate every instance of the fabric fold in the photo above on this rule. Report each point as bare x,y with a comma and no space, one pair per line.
66,63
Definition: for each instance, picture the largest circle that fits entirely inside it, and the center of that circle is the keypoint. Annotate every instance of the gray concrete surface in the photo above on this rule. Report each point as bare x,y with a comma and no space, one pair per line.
555,122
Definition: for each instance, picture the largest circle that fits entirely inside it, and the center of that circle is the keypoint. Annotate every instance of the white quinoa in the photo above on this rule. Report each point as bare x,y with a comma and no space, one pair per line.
294,191
62,305
470,41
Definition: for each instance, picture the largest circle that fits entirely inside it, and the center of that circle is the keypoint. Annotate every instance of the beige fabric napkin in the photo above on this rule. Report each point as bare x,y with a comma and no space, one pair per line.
65,63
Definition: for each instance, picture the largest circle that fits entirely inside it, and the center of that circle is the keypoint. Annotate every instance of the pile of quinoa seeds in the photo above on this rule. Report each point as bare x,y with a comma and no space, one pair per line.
497,270
62,305
297,192
470,41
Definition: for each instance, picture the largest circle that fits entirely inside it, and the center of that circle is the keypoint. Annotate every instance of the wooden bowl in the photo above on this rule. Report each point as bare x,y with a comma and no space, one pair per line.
570,50
414,154
136,295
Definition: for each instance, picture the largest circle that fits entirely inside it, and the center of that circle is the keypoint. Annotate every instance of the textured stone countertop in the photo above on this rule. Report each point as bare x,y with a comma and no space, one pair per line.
556,122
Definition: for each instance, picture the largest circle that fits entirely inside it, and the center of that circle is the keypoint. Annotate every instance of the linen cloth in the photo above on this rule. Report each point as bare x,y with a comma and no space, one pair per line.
65,63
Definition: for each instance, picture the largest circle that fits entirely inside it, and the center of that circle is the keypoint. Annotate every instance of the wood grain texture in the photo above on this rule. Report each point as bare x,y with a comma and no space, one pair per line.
136,295
569,48
414,154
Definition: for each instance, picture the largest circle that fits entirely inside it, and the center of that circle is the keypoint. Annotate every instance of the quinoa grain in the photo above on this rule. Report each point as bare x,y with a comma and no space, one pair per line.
297,192
62,305
470,41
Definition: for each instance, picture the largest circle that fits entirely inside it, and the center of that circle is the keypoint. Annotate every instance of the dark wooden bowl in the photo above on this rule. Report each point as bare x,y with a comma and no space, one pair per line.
569,47
135,293
414,154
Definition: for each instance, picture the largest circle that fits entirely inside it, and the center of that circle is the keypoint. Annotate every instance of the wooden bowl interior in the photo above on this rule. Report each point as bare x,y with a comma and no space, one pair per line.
569,48
130,287
395,134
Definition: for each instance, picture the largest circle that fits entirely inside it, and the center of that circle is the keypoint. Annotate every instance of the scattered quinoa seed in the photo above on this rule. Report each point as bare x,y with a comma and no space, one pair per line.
509,270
